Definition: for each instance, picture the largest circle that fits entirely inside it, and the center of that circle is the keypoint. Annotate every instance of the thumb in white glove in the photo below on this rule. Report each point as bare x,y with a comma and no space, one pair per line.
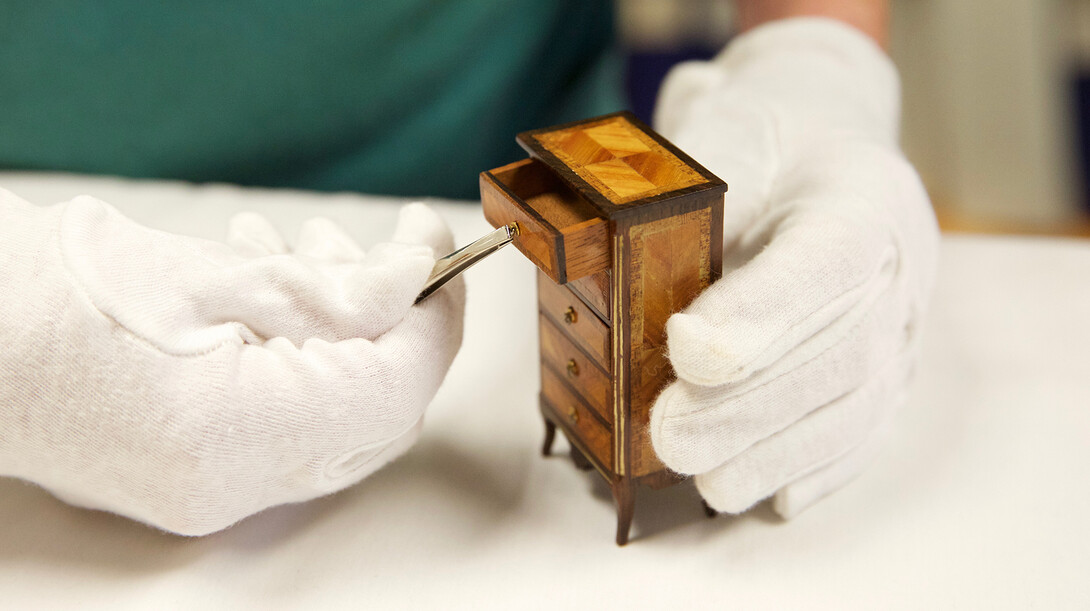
188,384
790,367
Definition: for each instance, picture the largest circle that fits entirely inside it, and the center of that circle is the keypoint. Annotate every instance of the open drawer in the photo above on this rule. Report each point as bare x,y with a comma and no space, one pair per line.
559,230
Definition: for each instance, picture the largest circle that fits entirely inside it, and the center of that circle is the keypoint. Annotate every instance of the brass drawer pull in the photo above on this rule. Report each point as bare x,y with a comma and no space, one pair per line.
573,415
570,316
573,368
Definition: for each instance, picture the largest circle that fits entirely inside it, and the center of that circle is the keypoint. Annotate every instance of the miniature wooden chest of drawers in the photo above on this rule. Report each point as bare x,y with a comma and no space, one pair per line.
626,230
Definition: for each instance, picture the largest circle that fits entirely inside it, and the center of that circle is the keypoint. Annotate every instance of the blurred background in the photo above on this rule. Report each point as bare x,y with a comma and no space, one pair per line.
996,113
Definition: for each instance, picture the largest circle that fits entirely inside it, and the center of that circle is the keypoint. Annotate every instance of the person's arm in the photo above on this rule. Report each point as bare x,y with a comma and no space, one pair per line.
790,367
868,16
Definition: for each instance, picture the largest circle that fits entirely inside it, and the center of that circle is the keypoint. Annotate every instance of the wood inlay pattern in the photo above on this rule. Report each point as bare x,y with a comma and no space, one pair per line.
622,162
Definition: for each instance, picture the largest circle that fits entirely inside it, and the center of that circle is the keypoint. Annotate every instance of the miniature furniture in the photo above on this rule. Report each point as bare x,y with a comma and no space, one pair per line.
626,230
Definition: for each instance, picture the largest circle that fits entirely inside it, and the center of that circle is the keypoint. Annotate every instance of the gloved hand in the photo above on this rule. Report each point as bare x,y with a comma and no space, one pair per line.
187,383
791,366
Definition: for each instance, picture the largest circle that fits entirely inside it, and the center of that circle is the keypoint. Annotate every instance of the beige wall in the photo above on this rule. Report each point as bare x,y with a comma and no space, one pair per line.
986,94
987,106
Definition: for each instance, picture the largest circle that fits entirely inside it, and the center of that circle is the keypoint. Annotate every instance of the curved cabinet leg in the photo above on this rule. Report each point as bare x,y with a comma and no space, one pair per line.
580,461
550,434
624,494
708,511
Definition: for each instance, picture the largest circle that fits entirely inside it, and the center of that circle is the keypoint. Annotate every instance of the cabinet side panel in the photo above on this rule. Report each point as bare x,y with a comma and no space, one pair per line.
670,263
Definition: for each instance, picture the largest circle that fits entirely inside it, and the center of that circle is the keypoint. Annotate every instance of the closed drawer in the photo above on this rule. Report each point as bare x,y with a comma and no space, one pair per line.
558,230
594,289
572,364
575,319
582,427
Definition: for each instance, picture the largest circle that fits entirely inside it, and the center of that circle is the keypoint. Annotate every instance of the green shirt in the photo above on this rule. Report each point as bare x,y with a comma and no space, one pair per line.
408,97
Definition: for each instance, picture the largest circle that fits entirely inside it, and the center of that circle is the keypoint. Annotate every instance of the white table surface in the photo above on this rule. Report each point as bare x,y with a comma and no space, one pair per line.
981,500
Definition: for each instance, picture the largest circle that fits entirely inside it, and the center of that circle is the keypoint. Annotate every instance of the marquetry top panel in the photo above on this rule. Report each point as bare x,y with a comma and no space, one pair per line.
619,159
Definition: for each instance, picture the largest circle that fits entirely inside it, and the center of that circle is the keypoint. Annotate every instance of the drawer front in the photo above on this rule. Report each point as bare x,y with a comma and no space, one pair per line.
537,240
558,230
575,418
575,319
594,290
572,364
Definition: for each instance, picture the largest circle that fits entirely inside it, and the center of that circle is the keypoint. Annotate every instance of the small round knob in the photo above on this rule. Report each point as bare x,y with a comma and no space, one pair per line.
573,415
573,368
570,316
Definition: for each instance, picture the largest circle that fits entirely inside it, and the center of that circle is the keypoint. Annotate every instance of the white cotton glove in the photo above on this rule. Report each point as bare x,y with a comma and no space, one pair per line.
187,383
790,367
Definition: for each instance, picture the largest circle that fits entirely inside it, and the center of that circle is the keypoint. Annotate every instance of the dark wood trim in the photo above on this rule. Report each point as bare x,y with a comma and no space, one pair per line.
529,142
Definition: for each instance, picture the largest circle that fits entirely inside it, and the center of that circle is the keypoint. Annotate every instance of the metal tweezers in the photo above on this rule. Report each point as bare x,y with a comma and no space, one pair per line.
450,266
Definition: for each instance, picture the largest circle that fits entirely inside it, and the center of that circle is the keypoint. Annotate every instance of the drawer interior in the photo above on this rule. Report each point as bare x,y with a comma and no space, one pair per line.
534,183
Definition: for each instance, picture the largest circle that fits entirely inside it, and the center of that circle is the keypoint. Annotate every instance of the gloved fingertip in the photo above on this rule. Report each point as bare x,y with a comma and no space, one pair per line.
407,258
252,235
680,430
323,239
661,440
417,223
804,492
699,355
786,506
722,499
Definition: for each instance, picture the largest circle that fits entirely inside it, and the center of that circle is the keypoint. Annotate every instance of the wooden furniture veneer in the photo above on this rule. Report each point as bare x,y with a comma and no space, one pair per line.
626,230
